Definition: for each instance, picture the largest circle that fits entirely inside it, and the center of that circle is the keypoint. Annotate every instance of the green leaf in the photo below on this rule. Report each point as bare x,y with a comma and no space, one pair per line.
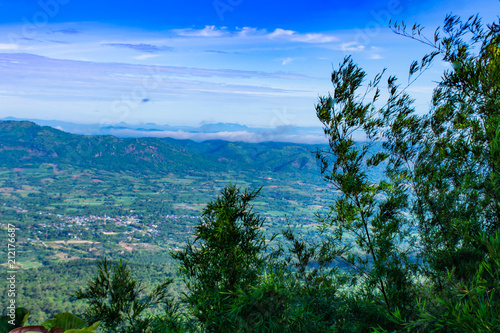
91,328
20,318
65,320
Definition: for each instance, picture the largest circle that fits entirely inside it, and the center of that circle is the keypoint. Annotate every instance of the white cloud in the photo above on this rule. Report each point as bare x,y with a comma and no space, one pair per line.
146,56
315,38
280,32
303,38
374,56
272,135
287,61
9,46
208,31
352,46
248,31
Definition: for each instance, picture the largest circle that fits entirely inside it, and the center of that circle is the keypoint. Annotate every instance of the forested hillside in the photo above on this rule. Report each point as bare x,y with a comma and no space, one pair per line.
24,143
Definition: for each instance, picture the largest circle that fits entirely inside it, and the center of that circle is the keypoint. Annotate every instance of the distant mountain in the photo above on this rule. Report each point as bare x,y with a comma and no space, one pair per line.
24,143
218,131
223,127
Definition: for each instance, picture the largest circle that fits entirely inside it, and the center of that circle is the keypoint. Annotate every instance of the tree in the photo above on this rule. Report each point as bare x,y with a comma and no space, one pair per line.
456,173
476,305
116,301
226,255
441,167
368,215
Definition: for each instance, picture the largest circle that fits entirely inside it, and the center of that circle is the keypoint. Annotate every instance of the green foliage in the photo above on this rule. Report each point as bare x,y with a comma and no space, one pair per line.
46,290
19,318
260,308
66,321
368,212
455,174
455,179
173,321
476,306
472,305
91,328
115,299
62,322
282,303
224,257
443,167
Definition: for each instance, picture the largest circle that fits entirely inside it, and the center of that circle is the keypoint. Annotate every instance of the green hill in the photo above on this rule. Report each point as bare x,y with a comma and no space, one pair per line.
24,143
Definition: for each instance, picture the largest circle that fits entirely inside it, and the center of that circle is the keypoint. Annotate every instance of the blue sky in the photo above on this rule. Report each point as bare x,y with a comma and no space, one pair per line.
251,62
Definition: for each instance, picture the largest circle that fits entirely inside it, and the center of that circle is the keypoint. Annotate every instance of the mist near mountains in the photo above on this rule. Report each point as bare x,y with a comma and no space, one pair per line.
26,144
218,131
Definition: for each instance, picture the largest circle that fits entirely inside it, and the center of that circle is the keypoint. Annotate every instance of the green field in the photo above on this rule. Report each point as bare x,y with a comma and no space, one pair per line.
49,205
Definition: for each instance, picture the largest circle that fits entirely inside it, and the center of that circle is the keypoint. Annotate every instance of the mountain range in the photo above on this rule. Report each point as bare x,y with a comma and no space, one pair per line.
24,143
204,132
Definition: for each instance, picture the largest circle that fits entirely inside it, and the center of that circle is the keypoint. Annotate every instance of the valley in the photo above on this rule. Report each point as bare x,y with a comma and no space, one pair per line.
72,209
